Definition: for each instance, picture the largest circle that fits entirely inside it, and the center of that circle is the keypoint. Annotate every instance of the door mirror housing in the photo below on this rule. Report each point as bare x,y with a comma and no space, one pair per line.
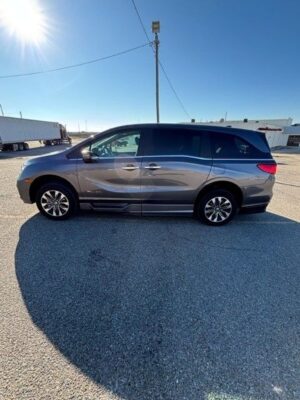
87,156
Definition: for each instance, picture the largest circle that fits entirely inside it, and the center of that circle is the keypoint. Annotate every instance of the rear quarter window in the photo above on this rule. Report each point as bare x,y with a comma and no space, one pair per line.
232,146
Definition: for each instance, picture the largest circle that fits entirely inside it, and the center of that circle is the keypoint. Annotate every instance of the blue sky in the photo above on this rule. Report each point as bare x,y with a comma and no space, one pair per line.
234,56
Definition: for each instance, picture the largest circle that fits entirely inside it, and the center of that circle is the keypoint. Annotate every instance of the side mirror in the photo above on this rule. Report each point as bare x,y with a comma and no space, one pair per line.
87,156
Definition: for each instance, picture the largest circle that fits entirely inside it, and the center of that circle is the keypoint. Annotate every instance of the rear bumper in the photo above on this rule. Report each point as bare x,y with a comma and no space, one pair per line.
253,209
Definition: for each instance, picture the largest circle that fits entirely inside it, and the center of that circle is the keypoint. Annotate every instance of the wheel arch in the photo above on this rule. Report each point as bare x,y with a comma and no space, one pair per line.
226,185
38,182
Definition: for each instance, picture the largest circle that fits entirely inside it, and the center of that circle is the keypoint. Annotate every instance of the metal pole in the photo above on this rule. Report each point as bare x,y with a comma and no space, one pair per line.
156,43
2,110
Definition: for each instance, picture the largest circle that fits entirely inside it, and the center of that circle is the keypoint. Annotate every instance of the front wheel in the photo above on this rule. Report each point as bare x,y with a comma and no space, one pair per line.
217,207
56,201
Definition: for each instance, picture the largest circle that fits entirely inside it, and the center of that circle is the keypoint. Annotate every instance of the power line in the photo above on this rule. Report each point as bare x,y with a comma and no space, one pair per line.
141,21
160,63
174,91
76,65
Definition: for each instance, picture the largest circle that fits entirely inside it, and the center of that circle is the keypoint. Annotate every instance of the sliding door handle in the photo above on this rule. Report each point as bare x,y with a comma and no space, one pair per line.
152,166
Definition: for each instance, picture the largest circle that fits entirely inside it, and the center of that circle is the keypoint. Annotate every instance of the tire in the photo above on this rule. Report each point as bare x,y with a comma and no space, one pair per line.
217,207
56,201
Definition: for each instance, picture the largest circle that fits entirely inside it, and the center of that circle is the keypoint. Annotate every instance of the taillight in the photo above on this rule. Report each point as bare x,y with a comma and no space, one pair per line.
268,168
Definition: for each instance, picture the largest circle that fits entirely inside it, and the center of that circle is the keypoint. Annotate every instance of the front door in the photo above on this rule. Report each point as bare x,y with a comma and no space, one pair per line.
112,180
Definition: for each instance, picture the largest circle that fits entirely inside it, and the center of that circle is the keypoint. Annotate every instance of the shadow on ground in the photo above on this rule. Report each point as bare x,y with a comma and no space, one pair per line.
167,308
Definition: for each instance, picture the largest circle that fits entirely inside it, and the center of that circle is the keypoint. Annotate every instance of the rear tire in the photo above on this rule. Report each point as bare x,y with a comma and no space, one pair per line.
56,201
217,207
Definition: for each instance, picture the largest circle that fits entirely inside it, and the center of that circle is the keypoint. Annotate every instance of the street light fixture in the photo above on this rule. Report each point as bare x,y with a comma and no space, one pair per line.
155,26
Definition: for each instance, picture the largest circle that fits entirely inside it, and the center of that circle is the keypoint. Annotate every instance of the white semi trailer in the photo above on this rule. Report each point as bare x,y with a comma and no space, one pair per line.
16,132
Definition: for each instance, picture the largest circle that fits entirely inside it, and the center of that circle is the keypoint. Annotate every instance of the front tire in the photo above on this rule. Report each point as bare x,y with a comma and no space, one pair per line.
56,201
217,207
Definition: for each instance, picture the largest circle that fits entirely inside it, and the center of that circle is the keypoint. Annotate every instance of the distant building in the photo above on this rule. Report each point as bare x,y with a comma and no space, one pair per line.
279,132
293,132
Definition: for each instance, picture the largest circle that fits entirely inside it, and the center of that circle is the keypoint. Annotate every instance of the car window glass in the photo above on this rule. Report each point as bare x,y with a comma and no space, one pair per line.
117,145
231,146
178,142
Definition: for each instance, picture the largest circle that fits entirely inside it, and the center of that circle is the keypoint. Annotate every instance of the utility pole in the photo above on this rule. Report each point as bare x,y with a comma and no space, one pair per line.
2,110
21,116
156,30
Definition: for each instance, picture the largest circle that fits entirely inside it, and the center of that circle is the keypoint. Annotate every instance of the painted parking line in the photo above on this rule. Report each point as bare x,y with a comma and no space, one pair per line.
266,222
17,216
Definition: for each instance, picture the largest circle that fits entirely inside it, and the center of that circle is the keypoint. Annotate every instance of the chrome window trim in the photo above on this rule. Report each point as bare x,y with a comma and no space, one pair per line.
243,159
164,155
178,155
181,155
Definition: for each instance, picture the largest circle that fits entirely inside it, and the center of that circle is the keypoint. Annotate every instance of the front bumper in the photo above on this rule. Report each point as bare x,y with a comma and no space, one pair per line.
23,186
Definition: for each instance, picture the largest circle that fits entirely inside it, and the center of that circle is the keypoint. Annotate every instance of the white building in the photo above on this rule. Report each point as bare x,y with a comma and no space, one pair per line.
277,131
293,132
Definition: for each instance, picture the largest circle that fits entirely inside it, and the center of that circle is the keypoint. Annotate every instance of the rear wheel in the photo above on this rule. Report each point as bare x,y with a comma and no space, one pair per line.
217,207
56,201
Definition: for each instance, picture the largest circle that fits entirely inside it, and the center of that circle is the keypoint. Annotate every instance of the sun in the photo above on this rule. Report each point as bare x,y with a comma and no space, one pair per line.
24,19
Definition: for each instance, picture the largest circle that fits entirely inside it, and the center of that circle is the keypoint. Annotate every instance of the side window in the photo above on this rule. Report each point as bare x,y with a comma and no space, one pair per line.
124,144
231,146
174,142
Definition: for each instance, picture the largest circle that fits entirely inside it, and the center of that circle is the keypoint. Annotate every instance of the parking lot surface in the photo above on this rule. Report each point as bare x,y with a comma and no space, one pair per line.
114,307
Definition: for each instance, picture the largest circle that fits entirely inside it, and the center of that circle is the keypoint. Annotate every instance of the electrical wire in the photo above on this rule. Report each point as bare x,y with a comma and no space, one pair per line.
76,65
160,63
141,21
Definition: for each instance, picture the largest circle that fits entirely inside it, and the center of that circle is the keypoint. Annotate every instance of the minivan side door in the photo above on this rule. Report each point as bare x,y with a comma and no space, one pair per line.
112,180
176,162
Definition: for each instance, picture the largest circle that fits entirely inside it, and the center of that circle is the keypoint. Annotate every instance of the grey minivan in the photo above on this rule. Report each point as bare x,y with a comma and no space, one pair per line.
154,169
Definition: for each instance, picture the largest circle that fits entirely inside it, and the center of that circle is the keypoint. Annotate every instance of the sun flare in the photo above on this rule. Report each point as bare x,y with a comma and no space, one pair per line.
24,19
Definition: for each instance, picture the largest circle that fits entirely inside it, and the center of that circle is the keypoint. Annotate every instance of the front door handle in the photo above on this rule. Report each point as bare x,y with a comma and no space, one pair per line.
152,166
130,167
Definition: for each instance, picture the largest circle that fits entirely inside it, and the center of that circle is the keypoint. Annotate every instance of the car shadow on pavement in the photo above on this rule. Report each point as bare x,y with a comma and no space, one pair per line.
167,308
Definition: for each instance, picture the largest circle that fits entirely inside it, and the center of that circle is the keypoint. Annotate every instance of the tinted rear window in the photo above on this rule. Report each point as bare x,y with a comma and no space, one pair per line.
178,142
231,146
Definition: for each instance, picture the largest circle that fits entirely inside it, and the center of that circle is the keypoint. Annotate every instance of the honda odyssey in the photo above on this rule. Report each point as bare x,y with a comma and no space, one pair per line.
154,169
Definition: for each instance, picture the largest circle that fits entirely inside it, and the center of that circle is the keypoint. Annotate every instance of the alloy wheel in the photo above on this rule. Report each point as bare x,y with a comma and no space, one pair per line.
55,203
218,209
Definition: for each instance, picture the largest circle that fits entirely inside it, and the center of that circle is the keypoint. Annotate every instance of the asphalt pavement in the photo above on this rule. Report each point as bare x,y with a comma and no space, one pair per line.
119,307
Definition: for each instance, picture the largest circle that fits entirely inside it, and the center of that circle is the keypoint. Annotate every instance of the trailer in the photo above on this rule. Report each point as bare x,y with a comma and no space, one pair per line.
16,132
